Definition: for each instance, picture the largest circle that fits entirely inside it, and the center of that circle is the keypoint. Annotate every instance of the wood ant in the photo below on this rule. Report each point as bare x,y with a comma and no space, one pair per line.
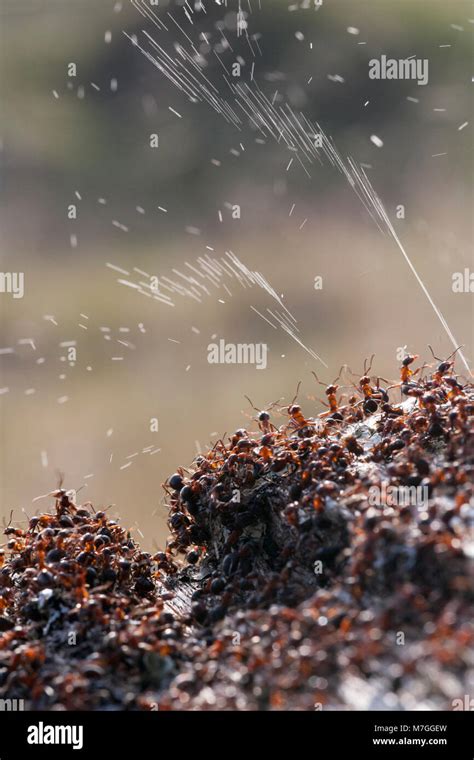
297,419
408,387
9,530
445,366
330,391
371,394
364,381
405,371
263,418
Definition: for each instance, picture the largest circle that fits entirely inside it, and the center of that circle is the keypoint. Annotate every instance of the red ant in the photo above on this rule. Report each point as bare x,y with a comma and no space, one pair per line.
364,381
331,391
263,418
297,419
9,530
408,387
405,371
372,395
445,365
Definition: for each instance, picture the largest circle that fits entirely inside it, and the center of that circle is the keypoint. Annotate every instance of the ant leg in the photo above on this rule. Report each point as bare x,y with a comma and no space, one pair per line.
420,369
165,488
356,388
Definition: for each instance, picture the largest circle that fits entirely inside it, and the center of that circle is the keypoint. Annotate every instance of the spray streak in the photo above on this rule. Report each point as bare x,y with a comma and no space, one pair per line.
215,271
306,140
379,207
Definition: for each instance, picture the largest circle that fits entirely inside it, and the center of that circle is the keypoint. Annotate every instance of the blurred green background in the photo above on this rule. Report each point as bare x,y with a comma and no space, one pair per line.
63,136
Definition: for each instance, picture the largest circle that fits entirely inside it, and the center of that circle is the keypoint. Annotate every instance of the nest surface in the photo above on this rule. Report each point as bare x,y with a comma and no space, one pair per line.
321,564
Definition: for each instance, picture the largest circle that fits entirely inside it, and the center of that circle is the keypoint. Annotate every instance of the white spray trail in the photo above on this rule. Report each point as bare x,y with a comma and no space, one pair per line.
308,141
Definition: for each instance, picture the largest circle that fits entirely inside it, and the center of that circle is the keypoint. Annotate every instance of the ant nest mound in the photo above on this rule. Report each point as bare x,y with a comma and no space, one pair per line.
323,563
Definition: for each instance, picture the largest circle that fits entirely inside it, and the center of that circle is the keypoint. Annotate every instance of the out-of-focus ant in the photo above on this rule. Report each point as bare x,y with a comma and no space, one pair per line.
15,543
9,530
175,482
65,499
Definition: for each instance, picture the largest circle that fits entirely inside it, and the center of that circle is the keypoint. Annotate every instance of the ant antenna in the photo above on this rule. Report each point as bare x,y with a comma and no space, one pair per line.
343,366
449,357
454,352
317,378
251,403
297,392
367,369
9,522
270,406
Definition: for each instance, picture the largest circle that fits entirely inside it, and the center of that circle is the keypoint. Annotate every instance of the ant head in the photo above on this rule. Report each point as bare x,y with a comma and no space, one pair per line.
445,364
409,360
444,367
331,389
263,415
364,380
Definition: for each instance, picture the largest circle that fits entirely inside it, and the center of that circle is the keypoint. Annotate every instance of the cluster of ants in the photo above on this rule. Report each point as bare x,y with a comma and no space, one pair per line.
313,460
279,576
74,585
